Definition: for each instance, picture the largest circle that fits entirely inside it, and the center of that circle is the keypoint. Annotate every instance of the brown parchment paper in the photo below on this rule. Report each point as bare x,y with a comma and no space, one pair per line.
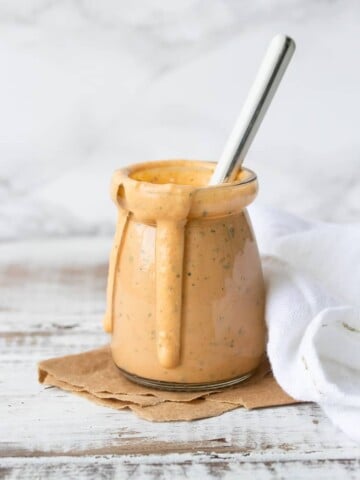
94,376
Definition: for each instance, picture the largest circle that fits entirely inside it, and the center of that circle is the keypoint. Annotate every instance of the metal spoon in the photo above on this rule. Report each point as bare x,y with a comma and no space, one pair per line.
272,69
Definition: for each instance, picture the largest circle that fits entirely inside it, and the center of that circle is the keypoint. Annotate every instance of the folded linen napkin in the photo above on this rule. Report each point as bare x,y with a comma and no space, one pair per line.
312,274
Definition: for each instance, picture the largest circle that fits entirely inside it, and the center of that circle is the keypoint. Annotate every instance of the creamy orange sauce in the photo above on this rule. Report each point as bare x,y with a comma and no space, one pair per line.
185,291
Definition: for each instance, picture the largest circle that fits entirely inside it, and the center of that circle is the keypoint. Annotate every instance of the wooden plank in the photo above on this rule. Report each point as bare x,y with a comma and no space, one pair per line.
37,302
55,423
181,466
42,280
62,419
48,310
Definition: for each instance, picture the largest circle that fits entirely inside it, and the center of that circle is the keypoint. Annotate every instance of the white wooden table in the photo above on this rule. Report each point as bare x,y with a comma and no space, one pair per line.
51,303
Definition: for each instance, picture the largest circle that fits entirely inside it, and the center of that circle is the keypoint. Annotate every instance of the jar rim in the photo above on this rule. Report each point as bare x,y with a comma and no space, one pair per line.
205,165
189,199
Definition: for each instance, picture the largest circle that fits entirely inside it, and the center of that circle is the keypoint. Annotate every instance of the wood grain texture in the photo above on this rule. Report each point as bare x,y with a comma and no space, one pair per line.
196,466
48,310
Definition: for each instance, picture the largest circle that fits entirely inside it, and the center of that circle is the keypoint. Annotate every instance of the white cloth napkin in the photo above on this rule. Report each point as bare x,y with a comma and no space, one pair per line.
312,275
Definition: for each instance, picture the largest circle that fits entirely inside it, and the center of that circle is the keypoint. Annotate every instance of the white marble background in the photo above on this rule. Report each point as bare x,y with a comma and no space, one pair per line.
87,86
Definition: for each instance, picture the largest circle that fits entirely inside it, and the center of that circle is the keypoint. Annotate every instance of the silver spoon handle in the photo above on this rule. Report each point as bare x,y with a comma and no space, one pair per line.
272,69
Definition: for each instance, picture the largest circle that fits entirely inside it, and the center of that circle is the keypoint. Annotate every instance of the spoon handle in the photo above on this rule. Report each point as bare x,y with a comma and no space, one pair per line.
272,69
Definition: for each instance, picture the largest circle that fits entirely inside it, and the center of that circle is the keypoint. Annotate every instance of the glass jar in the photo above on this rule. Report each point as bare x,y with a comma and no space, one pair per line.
185,300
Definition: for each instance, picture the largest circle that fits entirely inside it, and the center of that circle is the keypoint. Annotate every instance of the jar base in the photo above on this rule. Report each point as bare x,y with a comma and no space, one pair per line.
185,387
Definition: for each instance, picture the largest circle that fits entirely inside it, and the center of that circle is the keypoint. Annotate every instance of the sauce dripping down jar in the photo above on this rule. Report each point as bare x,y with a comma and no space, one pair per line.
185,298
